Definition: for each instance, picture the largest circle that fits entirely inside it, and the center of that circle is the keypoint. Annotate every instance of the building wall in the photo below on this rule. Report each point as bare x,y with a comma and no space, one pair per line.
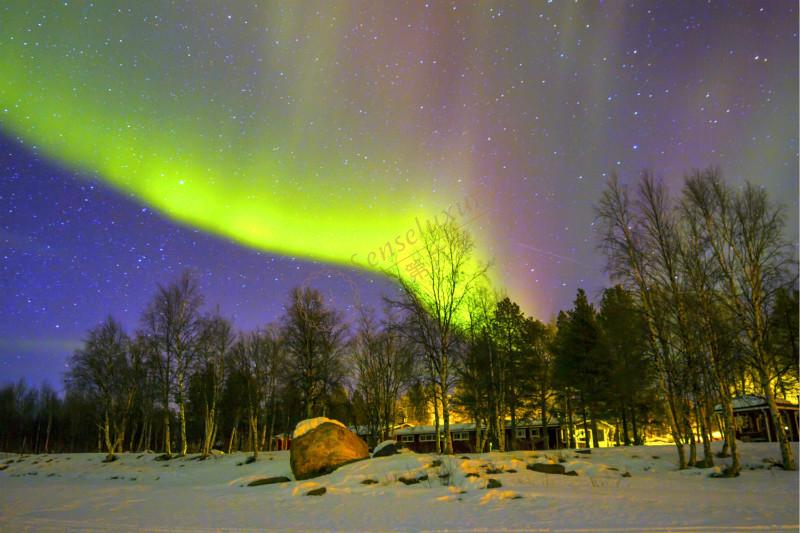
529,439
756,425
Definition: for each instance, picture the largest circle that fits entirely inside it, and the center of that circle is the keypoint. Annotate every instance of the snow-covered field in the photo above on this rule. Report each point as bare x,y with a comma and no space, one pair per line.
80,493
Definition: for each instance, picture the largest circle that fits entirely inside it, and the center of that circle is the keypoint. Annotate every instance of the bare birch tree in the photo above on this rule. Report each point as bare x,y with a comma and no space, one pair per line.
172,323
250,356
436,297
629,261
216,340
711,318
382,361
314,336
745,233
102,369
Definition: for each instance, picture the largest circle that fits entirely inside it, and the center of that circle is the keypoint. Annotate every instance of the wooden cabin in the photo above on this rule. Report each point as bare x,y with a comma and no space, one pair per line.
754,423
366,435
282,441
529,436
605,434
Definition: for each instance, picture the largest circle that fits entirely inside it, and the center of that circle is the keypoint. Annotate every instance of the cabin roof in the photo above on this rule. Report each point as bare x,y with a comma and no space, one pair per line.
470,426
364,430
751,402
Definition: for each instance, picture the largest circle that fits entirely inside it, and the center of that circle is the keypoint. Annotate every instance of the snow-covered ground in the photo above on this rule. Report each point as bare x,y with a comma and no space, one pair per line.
78,492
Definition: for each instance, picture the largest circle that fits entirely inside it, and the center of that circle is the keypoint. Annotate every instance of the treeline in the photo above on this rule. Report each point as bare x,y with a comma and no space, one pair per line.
705,309
590,365
186,380
715,280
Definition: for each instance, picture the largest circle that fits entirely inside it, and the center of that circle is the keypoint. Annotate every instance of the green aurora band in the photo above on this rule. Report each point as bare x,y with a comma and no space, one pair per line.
265,134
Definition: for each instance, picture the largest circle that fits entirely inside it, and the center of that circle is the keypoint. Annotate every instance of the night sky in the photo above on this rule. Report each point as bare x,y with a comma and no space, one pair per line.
266,145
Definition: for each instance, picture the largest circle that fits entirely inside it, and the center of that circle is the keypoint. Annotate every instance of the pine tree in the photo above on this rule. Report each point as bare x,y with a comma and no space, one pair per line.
578,360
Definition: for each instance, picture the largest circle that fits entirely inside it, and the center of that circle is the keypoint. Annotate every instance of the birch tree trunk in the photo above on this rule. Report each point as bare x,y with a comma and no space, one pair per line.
780,431
167,437
107,436
270,445
585,424
230,440
672,418
436,418
546,434
692,440
254,434
142,435
206,432
570,424
477,423
133,436
708,456
730,431
448,441
47,433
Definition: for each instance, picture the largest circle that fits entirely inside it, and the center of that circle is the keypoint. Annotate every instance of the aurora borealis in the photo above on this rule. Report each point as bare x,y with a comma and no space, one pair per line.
141,137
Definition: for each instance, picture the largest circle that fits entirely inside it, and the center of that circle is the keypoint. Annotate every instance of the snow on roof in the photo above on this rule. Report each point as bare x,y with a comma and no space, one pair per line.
304,426
743,402
364,430
751,401
470,426
415,430
525,423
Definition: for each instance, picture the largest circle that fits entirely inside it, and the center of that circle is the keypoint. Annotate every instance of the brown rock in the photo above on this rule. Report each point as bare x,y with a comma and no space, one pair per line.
386,450
324,449
547,468
268,481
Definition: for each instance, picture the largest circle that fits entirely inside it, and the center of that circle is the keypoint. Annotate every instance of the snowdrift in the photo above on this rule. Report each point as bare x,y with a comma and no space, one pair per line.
634,489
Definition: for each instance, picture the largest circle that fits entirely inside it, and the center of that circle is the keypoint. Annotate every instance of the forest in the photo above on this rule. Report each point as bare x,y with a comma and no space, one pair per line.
702,307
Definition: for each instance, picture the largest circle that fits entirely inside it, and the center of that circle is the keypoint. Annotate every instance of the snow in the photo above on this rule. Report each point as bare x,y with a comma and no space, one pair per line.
304,426
79,492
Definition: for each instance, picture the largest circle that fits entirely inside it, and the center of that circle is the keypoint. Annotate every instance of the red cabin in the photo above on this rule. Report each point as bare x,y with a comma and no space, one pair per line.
754,422
422,439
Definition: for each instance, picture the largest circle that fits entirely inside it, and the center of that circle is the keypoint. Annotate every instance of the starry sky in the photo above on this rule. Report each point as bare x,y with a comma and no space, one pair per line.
266,145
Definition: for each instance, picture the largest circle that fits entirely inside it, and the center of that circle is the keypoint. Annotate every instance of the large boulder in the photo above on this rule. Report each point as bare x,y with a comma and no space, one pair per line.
320,446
